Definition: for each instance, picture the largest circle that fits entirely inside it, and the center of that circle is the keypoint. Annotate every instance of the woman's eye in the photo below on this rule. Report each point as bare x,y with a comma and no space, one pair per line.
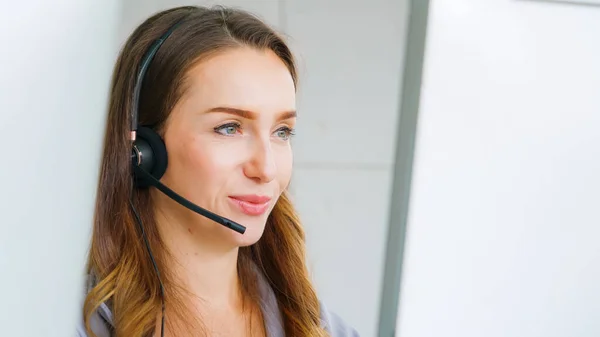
229,129
284,133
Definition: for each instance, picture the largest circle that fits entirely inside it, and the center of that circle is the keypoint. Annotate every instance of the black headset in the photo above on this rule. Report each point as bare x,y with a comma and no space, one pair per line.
149,151
149,162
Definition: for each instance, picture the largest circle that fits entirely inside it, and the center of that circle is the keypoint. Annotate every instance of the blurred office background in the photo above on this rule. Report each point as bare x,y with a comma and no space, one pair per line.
447,163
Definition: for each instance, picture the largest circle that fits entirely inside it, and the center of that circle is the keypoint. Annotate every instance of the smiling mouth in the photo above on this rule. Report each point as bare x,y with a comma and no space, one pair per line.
253,205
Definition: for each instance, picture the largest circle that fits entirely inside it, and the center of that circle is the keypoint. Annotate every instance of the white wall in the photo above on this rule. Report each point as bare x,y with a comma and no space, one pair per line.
55,65
503,228
350,56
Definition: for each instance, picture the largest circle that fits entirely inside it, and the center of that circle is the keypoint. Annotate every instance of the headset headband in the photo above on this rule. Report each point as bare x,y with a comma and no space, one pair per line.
148,57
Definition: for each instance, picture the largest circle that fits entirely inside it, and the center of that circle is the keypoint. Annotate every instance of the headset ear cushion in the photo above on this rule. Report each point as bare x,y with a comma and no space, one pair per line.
158,158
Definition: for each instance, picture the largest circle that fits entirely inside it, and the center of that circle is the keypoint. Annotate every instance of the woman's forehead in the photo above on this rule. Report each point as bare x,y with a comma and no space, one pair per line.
245,78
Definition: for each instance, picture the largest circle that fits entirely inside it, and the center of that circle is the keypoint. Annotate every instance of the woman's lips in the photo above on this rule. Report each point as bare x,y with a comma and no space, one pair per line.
251,204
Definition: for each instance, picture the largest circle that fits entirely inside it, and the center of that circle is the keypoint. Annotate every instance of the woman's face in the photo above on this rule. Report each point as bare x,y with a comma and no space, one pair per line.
228,142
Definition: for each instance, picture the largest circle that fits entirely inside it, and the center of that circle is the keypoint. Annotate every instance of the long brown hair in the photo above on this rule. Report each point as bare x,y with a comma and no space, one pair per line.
118,260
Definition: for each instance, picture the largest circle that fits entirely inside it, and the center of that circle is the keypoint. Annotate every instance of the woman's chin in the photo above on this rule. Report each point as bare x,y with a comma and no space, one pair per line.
253,233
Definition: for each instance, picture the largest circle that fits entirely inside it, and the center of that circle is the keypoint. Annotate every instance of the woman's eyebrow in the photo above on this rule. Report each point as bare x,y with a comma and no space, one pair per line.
247,114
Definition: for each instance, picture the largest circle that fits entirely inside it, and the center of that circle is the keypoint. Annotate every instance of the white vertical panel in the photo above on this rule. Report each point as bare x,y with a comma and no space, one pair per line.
56,64
503,227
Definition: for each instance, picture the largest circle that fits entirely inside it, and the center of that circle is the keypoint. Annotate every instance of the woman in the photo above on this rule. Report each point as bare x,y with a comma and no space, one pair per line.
217,94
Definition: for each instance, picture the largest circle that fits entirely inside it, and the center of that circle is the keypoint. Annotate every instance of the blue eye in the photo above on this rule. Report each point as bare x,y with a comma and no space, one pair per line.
228,129
284,133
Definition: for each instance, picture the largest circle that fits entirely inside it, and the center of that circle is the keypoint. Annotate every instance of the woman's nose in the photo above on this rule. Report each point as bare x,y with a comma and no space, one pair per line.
261,165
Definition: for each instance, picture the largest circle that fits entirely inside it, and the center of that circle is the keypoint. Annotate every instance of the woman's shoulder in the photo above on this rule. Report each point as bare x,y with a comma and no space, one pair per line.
335,325
100,321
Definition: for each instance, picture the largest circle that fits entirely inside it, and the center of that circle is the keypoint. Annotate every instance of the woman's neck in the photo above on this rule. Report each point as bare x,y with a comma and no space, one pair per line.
210,274
207,270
